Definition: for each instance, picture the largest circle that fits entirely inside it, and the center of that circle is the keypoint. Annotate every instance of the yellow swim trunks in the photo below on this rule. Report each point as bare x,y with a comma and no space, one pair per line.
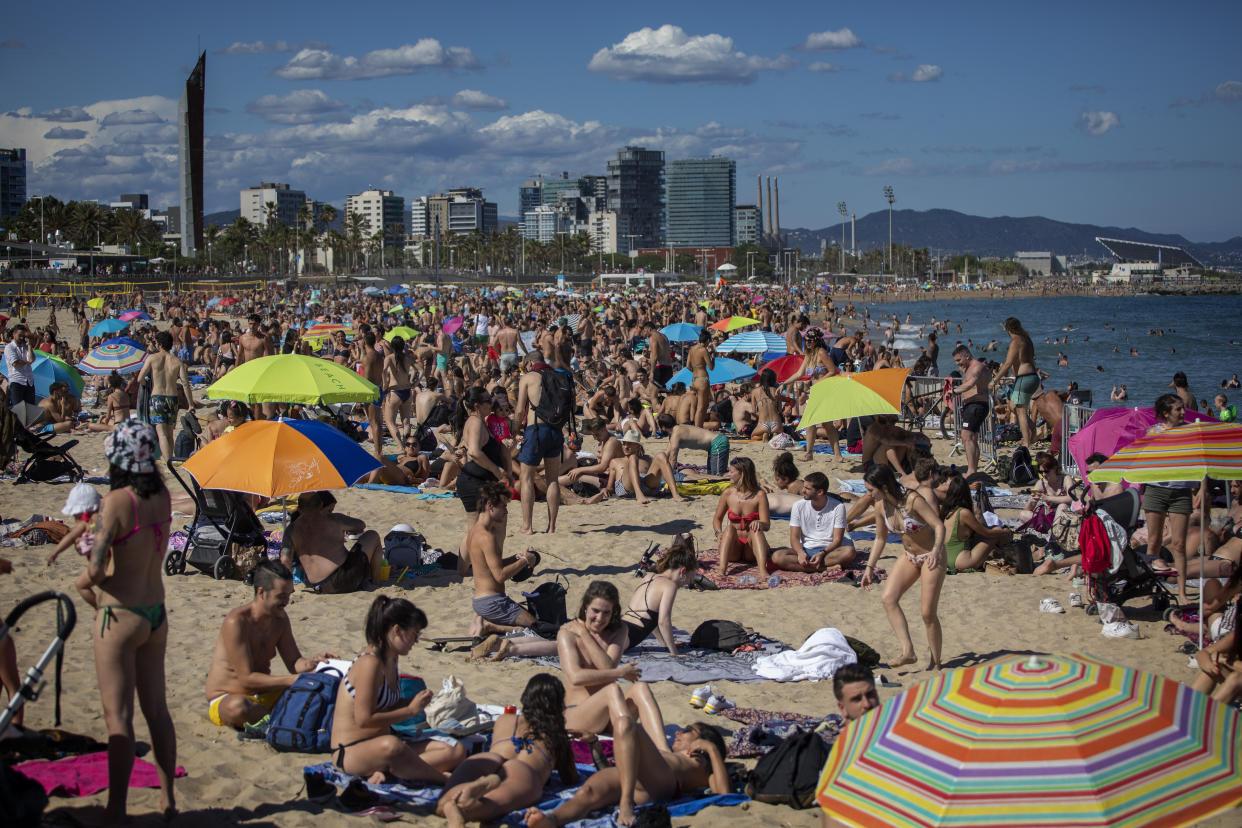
267,699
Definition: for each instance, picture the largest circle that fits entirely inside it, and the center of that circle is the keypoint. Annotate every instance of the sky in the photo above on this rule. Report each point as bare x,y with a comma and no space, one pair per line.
1111,113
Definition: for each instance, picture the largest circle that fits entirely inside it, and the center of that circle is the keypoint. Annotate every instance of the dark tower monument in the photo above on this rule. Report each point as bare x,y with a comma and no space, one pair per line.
190,127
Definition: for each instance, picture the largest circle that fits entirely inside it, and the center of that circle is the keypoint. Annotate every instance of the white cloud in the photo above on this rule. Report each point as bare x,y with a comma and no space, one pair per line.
427,53
823,66
130,117
61,134
895,166
1229,91
478,101
925,73
303,106
669,55
258,47
1098,121
830,41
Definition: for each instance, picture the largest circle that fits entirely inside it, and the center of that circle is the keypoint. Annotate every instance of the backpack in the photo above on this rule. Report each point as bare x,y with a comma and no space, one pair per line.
1094,543
1020,471
301,721
788,774
404,549
547,604
22,798
556,401
725,636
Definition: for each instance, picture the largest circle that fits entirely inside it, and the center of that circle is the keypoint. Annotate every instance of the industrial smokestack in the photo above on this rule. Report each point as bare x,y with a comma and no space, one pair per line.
769,223
777,226
759,201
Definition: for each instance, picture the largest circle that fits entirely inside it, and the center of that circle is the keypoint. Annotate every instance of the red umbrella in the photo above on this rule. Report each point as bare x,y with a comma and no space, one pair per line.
226,301
785,367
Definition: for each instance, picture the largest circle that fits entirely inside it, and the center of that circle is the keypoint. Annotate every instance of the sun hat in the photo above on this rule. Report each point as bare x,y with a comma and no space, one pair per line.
632,436
82,499
133,447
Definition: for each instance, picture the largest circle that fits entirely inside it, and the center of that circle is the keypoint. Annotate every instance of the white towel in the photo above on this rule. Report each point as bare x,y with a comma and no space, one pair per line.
820,656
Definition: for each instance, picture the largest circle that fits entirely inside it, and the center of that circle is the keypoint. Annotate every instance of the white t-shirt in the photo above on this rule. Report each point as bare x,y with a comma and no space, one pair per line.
480,324
818,526
19,375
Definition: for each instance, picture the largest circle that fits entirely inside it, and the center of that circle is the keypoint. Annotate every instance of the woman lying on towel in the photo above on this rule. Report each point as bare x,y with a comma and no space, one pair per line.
369,703
526,748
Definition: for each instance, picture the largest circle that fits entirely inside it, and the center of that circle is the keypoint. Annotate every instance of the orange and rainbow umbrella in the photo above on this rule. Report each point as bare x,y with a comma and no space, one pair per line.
732,323
1188,452
1037,741
863,394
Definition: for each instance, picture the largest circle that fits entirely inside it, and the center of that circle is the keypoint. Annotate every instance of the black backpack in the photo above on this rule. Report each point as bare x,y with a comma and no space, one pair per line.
1020,471
556,402
547,604
788,774
725,636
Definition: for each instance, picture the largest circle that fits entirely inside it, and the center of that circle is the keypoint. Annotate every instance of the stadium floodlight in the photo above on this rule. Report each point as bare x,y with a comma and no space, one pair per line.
844,215
890,198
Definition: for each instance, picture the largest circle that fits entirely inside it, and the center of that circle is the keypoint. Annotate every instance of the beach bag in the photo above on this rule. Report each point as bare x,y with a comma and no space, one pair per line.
789,774
404,549
556,400
450,704
1065,529
1094,543
547,604
725,636
1020,471
301,721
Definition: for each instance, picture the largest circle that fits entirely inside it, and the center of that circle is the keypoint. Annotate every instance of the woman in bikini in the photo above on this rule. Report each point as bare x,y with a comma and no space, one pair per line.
786,490
123,582
512,774
922,538
639,474
369,703
226,356
767,404
651,606
817,364
745,504
700,360
397,395
968,541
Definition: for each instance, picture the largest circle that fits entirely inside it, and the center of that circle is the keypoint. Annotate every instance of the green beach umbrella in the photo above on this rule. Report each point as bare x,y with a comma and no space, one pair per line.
292,378
402,331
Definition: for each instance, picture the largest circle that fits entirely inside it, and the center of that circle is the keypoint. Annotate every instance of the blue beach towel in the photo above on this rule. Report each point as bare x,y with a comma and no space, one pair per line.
383,487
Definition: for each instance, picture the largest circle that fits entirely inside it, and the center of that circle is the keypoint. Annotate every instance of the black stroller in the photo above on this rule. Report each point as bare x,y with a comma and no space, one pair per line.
224,527
21,800
1134,578
47,461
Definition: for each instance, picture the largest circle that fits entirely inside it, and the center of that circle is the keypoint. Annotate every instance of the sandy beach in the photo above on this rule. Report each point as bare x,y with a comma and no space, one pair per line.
984,616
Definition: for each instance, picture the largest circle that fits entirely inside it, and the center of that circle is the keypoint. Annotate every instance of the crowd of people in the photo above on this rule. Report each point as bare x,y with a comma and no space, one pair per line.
489,396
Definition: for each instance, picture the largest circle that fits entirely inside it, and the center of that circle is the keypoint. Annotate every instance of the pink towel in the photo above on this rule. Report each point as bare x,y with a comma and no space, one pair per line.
85,775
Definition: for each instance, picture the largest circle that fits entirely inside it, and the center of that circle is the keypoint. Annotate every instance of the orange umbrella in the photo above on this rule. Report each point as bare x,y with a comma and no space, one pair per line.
733,323
887,382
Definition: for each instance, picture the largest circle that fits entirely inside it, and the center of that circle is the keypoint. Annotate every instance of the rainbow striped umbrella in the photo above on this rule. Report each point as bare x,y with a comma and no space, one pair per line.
116,355
733,323
1037,741
1188,452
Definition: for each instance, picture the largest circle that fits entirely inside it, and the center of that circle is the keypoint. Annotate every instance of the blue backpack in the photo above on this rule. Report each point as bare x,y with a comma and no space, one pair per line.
301,721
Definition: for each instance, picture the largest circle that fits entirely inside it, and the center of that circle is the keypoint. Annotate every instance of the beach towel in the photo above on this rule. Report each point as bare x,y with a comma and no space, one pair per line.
691,665
383,487
435,496
422,799
702,487
820,656
86,775
765,729
709,560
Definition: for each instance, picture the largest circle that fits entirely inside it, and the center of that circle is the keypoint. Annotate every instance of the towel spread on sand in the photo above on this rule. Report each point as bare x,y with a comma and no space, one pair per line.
690,665
825,652
709,559
765,729
422,800
384,487
85,775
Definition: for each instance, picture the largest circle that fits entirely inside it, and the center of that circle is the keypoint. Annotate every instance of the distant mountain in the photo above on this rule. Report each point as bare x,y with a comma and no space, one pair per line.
955,233
221,219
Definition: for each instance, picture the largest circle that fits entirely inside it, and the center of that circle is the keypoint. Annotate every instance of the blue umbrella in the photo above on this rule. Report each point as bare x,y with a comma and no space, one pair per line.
47,371
372,291
211,303
753,342
726,370
108,326
681,332
397,290
125,340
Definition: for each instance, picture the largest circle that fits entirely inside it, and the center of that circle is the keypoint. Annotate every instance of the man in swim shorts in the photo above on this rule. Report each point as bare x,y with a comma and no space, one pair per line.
165,371
713,442
241,689
316,540
494,611
973,390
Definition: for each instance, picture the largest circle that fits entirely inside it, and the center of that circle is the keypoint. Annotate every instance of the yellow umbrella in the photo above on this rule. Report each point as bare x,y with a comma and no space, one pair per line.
733,323
854,395
402,331
95,303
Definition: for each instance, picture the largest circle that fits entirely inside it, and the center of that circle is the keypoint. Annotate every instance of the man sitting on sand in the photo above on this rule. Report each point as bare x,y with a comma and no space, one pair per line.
645,771
241,689
688,436
315,538
817,539
494,611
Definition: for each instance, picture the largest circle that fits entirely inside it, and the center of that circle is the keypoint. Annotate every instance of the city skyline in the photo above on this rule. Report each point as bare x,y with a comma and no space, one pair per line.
1111,114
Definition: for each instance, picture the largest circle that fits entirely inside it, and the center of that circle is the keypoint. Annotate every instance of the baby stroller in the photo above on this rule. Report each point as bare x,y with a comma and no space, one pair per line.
22,800
46,461
225,539
1129,576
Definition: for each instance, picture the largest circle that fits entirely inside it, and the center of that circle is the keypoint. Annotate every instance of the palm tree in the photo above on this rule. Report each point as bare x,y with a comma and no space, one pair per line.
211,235
396,232
87,223
355,227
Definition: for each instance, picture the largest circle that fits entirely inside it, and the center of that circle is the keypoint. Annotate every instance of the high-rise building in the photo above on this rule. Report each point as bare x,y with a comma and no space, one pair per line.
461,210
543,223
636,195
530,196
747,224
606,232
12,181
287,203
380,209
190,133
419,228
699,197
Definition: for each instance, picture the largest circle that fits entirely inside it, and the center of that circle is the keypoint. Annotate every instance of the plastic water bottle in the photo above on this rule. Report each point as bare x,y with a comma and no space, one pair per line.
775,580
748,579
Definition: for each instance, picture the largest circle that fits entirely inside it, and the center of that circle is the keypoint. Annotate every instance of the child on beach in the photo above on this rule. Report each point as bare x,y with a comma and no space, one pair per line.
82,504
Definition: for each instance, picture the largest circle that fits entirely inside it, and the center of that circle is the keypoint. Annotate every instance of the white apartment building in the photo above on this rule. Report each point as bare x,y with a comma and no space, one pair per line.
254,201
606,231
380,209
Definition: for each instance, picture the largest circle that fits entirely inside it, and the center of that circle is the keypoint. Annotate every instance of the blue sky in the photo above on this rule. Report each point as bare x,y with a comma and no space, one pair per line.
1105,112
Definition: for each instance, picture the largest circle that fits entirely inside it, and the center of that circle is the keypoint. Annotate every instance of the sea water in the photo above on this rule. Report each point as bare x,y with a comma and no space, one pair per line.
1202,336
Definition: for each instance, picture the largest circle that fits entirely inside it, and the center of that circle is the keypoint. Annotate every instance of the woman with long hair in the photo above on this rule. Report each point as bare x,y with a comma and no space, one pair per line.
123,582
700,360
922,538
397,395
512,774
766,400
651,606
786,487
369,703
745,505
967,540
486,457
